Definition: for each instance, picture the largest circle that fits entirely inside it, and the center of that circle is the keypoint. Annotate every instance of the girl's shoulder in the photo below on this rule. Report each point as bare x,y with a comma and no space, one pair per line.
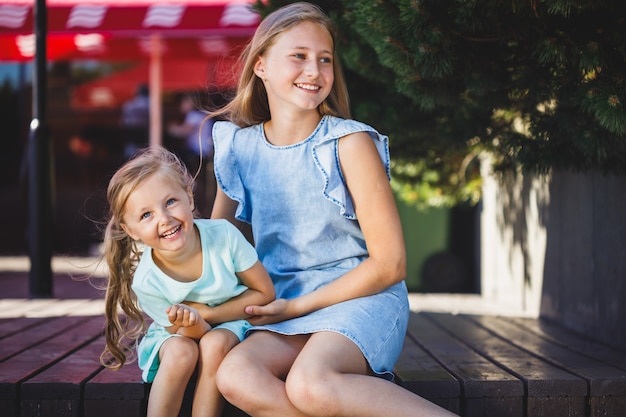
335,127
225,129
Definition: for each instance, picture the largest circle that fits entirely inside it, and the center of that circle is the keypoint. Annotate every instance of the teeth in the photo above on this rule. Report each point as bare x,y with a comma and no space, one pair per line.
308,87
169,234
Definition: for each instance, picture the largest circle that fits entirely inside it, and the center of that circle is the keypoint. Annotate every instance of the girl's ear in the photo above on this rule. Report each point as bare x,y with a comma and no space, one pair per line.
128,231
259,68
190,195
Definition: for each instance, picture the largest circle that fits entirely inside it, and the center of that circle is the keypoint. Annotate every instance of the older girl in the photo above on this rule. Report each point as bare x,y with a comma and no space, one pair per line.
314,187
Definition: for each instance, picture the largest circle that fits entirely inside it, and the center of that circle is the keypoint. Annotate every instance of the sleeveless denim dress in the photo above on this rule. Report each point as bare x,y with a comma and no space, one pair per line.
306,232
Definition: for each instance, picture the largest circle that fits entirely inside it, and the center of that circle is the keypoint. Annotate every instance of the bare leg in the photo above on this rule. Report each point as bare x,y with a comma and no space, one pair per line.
326,375
214,345
330,378
179,356
252,375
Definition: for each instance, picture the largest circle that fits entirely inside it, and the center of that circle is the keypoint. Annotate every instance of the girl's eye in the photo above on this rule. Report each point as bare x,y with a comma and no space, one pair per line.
145,215
299,56
170,202
326,60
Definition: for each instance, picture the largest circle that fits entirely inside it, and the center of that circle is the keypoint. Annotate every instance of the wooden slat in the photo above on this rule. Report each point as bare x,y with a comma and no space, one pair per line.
420,373
57,391
549,389
487,390
574,341
37,357
32,336
607,384
18,325
119,393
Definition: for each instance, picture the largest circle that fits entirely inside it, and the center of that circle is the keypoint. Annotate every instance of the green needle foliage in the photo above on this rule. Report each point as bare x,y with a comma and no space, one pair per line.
535,84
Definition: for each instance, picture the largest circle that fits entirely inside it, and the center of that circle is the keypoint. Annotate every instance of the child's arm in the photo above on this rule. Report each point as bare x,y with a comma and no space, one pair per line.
260,292
187,321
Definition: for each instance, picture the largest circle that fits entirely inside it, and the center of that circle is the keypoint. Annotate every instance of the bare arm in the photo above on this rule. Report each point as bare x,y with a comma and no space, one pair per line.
224,208
260,292
378,217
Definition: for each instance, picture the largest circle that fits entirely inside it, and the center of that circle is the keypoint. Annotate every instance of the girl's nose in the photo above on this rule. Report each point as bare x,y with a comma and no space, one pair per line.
312,69
163,217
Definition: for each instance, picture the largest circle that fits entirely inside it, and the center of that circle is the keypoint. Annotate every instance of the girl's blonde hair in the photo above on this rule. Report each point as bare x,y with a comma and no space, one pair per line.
122,253
250,105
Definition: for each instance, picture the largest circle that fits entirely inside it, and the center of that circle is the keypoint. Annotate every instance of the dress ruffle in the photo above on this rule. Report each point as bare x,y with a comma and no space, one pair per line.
224,134
326,156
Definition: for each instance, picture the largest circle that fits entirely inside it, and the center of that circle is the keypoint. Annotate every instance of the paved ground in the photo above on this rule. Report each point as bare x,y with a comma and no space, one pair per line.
73,293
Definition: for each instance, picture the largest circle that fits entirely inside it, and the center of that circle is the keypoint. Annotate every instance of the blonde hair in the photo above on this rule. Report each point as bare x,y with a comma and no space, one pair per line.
250,105
122,253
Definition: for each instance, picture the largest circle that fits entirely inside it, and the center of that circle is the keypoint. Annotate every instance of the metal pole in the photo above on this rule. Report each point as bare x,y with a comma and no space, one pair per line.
40,194
155,82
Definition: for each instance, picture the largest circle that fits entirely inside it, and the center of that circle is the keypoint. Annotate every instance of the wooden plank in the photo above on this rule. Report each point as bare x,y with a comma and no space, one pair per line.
34,359
43,330
579,343
418,372
11,326
119,393
487,390
58,389
549,389
607,384
609,261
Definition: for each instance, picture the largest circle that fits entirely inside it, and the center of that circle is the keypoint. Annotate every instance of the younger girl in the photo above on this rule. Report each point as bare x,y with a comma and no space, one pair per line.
313,184
200,262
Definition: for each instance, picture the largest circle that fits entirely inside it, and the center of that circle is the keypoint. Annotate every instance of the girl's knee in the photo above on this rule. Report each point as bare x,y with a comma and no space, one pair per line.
230,374
236,374
180,352
217,343
312,391
214,346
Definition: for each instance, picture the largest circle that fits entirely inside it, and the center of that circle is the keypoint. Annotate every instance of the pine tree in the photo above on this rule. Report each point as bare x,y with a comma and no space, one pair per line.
539,84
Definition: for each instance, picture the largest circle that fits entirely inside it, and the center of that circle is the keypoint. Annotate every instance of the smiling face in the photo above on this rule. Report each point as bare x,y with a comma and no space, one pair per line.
159,212
297,69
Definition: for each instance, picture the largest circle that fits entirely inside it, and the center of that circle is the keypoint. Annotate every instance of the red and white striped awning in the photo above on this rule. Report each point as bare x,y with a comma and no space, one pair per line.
123,29
154,31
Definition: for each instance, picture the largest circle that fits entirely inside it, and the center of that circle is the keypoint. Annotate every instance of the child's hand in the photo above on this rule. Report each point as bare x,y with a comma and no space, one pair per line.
182,315
274,312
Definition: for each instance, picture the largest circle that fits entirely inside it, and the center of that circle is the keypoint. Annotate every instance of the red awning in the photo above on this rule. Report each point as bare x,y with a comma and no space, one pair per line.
137,30
115,89
122,29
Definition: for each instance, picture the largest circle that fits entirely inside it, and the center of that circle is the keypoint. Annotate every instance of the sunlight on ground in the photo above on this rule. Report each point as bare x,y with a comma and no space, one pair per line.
52,307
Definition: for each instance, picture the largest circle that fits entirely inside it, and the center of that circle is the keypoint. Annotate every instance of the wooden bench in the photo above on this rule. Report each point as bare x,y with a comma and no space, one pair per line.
499,366
471,364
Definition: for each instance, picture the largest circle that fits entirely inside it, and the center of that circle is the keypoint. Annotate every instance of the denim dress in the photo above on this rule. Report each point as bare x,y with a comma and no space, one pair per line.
306,231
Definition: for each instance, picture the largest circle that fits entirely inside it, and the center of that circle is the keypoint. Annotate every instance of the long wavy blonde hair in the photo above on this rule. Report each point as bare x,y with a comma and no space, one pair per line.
122,253
250,105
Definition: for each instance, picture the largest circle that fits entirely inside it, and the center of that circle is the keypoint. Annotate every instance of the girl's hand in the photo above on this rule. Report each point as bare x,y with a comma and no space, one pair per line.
182,315
274,312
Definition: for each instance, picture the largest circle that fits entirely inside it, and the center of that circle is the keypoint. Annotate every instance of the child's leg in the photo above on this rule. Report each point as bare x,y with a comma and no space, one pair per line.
179,356
214,345
329,377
